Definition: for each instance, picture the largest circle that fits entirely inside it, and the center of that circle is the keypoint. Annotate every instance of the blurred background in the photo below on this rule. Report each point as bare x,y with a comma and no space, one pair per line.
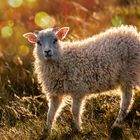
19,92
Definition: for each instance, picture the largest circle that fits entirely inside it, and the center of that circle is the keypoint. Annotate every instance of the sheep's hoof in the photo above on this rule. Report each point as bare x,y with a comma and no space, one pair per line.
76,131
116,133
45,134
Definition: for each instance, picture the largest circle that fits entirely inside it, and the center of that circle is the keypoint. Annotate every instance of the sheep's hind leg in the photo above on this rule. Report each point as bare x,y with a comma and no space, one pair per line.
125,106
54,103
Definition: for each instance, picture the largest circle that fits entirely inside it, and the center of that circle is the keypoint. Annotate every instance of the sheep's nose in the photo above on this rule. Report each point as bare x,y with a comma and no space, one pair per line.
47,53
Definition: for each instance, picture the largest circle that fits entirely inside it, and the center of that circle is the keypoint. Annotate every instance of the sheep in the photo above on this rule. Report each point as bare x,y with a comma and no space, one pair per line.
78,69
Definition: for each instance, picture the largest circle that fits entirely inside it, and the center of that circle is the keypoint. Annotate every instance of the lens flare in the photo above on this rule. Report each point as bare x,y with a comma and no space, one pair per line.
43,20
6,32
15,3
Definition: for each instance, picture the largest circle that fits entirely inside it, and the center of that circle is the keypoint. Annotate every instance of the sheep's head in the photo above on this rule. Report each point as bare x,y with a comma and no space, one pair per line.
47,42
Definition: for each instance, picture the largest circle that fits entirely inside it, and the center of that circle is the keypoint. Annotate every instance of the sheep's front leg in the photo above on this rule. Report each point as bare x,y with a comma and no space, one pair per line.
125,106
76,111
54,103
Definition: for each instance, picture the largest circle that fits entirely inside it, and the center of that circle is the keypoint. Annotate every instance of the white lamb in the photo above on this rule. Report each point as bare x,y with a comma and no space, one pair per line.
86,67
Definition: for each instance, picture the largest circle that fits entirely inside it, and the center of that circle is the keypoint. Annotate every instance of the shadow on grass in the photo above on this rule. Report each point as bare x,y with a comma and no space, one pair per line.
116,134
75,134
70,135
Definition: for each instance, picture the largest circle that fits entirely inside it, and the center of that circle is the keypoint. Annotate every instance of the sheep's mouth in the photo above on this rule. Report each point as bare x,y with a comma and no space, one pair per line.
48,56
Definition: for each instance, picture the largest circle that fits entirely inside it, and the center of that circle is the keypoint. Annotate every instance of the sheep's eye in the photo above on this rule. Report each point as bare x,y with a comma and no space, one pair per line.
39,43
55,40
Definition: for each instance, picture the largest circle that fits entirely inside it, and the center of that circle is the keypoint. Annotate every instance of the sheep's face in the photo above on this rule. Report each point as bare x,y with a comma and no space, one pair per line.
47,42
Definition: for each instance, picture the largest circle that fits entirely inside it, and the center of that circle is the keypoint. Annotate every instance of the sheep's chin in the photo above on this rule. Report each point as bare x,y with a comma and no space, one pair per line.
50,59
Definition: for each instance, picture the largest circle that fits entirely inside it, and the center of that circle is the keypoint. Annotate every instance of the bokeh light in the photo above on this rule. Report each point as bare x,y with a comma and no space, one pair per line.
23,50
43,20
10,23
6,31
15,3
31,1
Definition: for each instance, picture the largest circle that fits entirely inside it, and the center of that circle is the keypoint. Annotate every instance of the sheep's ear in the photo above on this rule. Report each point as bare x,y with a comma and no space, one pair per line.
31,37
62,32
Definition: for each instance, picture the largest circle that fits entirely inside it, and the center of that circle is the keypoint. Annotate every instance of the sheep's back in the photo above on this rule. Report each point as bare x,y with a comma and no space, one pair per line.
103,63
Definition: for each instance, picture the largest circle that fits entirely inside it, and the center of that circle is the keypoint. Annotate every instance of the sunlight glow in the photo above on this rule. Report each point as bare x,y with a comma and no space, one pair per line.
43,20
6,32
15,3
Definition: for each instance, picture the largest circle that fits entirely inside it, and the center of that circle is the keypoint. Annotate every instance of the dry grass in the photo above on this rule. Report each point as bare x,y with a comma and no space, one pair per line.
25,119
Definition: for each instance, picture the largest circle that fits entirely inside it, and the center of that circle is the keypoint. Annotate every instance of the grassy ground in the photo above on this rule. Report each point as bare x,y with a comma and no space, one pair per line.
25,119
23,109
